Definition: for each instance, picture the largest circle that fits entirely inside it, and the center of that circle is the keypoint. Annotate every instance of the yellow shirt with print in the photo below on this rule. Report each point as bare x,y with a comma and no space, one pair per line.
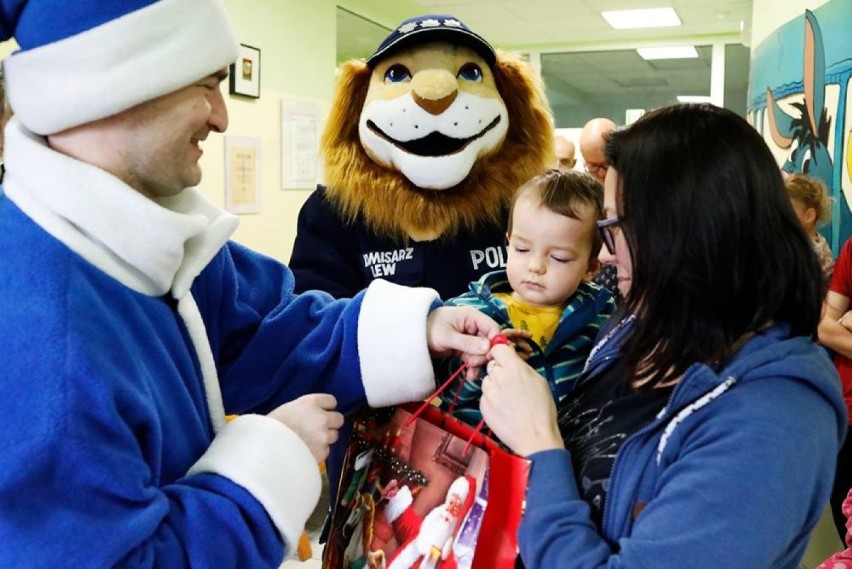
540,321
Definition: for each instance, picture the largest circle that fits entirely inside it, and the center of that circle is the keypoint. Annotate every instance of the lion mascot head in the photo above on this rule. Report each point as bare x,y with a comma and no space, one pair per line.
434,132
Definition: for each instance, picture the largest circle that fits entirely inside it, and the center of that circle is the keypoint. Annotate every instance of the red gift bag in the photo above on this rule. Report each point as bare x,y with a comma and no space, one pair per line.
420,489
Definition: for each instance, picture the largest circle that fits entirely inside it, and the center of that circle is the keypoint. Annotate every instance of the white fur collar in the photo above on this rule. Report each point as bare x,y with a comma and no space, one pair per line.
148,246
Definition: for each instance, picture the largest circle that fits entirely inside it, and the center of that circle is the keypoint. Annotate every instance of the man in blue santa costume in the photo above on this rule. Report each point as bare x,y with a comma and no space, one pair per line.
132,324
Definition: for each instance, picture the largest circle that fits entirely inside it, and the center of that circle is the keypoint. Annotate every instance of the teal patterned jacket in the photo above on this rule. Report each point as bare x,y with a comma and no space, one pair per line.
561,363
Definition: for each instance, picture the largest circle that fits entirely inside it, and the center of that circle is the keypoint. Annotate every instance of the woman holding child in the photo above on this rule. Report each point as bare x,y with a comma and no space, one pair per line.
704,431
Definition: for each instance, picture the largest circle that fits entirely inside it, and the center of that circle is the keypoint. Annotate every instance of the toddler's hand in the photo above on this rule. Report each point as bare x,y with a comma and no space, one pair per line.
518,340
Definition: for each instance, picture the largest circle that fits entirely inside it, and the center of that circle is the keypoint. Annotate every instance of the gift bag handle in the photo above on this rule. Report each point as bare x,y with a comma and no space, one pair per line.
413,416
497,339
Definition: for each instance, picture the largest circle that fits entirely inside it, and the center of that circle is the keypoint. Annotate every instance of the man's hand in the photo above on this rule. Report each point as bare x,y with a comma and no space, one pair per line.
846,320
314,419
461,330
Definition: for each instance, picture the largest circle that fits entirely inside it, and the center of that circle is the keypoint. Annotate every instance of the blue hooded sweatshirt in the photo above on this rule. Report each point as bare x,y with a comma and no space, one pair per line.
733,473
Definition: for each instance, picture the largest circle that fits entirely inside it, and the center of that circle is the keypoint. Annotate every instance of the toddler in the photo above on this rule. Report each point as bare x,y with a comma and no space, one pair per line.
544,297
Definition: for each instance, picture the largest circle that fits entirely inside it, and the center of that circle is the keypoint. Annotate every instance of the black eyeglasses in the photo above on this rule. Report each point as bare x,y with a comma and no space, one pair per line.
605,228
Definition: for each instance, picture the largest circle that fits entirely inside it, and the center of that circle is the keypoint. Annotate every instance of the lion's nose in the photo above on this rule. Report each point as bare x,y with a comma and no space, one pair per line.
434,90
435,106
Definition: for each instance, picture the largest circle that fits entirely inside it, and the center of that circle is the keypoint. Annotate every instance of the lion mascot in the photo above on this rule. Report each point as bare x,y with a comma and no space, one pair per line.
424,146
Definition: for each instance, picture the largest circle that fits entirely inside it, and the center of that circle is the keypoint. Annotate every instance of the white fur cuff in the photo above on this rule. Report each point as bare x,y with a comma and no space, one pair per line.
395,362
273,464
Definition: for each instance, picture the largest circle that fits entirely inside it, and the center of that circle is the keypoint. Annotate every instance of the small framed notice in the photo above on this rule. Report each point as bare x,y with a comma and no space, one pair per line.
242,174
300,134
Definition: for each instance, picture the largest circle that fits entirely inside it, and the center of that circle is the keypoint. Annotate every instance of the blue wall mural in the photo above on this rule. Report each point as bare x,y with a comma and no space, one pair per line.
799,100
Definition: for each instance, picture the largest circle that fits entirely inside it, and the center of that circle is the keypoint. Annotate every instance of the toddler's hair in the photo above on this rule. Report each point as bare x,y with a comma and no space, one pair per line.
565,192
812,193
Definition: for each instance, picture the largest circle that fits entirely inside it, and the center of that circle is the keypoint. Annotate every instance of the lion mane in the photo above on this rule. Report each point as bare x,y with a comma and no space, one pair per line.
391,206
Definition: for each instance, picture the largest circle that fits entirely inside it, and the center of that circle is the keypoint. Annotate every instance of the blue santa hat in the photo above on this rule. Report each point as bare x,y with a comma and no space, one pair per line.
432,28
83,60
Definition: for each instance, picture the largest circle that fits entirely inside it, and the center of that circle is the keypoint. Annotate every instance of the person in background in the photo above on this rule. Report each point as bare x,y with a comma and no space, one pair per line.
564,150
704,432
835,333
843,558
812,205
132,324
592,141
546,290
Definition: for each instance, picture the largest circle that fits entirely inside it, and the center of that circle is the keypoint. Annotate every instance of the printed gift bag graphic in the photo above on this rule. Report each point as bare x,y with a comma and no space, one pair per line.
413,495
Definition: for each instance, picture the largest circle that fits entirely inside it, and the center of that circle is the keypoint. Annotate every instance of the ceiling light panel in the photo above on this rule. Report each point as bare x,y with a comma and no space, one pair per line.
644,18
672,52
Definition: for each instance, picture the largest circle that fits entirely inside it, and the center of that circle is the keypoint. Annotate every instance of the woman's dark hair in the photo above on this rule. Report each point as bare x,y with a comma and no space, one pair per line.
717,250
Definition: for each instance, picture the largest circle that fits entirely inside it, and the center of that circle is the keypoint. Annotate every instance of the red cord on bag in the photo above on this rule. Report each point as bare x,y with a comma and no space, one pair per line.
473,435
499,339
437,392
496,340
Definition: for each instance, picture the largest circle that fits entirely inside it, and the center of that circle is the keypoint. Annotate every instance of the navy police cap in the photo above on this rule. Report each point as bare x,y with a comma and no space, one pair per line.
431,28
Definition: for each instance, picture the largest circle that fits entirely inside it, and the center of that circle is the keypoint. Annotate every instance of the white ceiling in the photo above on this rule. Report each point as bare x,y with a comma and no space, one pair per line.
589,68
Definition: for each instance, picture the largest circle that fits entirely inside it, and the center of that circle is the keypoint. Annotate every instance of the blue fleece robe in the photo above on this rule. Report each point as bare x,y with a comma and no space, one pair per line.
122,317
735,472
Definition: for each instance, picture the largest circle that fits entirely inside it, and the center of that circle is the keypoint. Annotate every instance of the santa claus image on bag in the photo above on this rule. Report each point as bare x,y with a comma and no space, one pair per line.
427,543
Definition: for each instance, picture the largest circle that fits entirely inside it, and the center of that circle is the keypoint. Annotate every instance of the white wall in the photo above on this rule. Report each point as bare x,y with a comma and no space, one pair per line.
769,15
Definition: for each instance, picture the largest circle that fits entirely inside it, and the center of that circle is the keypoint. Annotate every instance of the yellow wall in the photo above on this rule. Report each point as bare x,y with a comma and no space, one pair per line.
297,43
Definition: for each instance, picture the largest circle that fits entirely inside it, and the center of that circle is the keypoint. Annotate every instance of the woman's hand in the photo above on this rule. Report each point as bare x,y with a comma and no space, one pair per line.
517,404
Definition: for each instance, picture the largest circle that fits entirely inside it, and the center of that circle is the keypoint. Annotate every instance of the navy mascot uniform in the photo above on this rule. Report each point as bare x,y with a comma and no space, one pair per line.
425,144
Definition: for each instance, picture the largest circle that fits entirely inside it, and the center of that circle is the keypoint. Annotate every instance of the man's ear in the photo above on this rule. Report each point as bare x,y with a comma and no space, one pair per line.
594,267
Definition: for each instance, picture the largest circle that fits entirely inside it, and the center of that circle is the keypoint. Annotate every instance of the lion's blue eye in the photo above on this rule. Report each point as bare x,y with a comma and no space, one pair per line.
397,73
471,72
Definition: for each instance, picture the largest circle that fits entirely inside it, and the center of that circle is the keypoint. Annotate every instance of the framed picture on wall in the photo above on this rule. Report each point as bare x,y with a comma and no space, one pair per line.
242,174
244,78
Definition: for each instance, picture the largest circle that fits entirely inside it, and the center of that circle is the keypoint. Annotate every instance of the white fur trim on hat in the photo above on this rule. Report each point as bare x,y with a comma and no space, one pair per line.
98,73
273,464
